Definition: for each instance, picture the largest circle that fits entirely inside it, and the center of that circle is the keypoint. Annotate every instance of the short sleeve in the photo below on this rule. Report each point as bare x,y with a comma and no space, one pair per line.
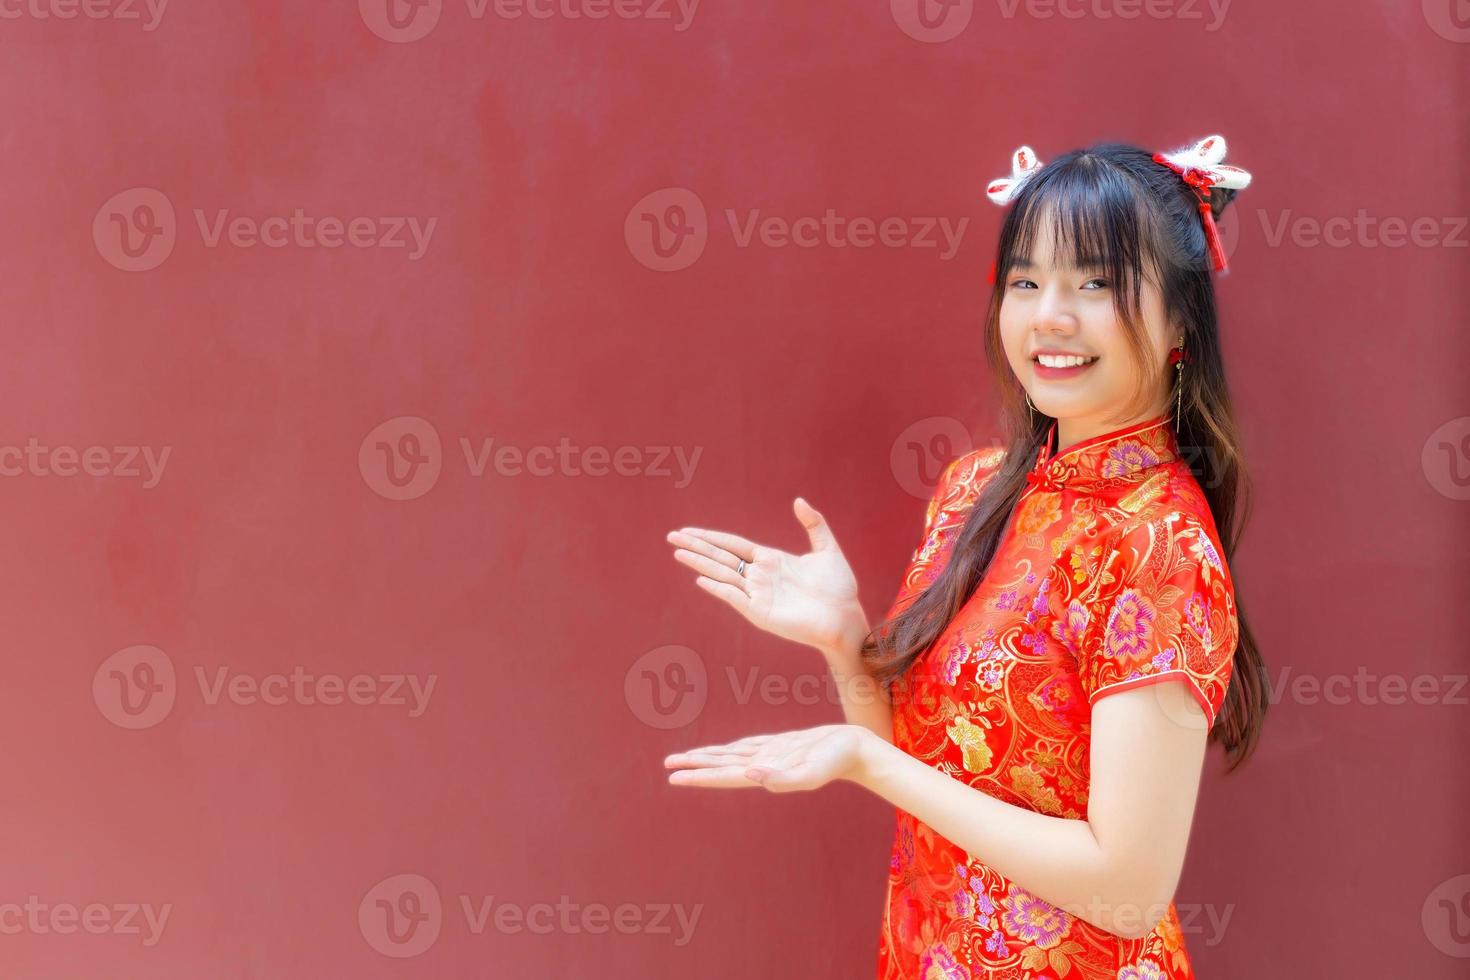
959,486
1165,609
954,493
941,499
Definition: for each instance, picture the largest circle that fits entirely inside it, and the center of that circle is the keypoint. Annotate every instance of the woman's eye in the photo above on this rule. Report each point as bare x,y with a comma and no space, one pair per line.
1028,284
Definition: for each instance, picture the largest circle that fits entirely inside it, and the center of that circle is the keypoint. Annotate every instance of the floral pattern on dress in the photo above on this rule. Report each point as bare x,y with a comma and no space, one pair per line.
1109,576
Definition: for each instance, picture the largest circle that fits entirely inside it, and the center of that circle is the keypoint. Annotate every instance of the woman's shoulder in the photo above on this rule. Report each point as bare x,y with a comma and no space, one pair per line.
1173,493
971,470
1175,511
960,483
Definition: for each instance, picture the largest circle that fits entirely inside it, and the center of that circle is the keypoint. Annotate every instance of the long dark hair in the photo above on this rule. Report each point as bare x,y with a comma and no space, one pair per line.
1113,205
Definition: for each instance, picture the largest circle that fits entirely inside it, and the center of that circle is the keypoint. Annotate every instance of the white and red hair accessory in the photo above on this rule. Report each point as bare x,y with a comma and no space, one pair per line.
1023,165
1199,166
1002,189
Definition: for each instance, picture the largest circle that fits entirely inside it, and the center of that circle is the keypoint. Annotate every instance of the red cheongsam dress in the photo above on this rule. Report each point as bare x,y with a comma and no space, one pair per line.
1109,576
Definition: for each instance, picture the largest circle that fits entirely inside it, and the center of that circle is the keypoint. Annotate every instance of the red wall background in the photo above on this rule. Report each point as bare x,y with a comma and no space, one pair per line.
538,310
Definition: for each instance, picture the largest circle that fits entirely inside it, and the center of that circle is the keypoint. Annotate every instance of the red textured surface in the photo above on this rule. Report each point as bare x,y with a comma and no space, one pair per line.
534,314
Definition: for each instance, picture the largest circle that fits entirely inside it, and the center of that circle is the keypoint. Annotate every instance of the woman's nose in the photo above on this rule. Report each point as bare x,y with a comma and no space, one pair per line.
1053,313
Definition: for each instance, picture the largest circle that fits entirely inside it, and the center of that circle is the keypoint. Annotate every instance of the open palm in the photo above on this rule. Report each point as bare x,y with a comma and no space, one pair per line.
791,761
810,598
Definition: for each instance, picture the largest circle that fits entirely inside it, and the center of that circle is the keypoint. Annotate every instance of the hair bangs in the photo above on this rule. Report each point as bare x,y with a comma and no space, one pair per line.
1095,221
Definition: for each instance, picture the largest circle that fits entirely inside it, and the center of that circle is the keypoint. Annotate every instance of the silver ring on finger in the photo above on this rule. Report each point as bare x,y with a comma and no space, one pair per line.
741,570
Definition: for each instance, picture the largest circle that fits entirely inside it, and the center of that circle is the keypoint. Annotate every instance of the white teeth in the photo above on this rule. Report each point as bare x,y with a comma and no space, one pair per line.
1063,360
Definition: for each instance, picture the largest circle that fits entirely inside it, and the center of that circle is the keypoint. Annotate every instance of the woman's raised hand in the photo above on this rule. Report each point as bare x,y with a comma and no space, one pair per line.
810,598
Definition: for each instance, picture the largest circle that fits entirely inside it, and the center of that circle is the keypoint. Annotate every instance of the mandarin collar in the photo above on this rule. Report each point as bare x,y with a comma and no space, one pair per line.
1123,457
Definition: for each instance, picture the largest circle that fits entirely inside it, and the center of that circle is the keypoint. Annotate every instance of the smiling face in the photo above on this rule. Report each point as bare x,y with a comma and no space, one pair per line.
1050,307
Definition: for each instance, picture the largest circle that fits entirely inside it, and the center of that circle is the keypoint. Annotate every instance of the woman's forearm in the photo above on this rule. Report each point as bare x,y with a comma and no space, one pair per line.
863,700
1059,860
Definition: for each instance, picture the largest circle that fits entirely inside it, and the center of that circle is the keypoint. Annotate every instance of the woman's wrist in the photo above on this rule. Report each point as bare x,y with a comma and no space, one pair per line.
872,761
844,649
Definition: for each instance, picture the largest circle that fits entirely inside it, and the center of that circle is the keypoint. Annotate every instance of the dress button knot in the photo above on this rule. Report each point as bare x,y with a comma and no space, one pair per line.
1049,478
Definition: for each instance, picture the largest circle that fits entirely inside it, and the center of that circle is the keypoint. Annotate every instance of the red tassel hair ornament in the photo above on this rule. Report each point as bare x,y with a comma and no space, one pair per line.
1199,165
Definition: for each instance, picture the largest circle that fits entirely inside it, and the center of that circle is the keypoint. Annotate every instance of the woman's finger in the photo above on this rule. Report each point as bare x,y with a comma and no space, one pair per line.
706,760
742,750
694,542
725,777
710,755
733,543
749,740
818,533
708,567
